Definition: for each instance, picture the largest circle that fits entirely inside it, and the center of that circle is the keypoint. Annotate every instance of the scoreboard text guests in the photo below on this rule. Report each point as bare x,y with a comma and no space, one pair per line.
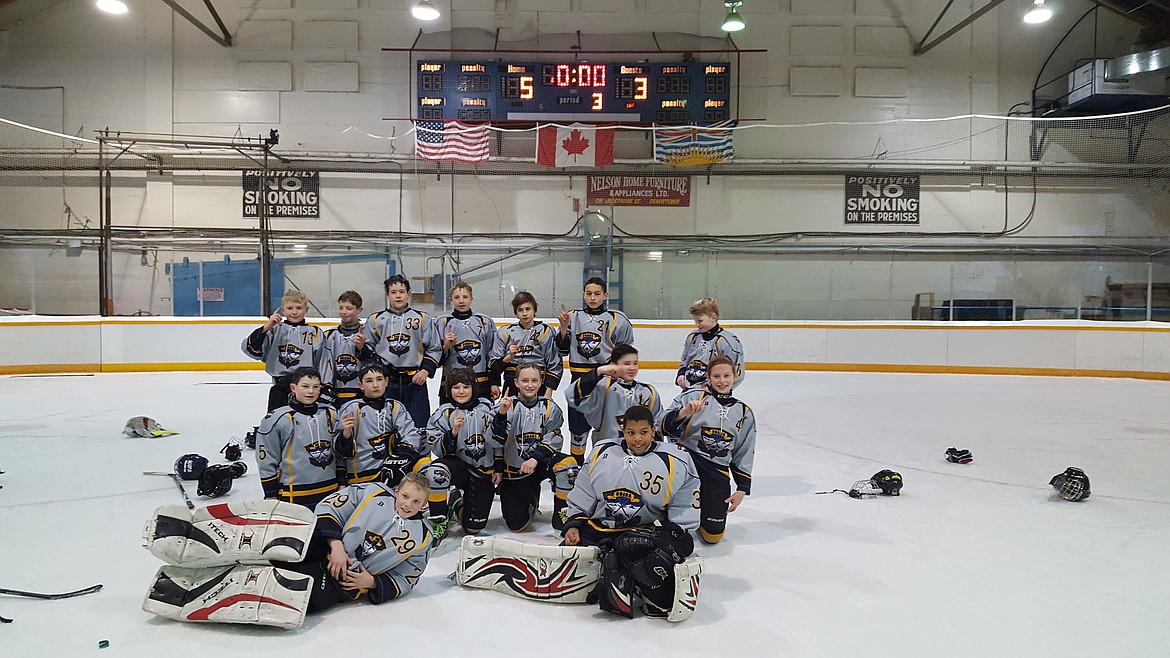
580,91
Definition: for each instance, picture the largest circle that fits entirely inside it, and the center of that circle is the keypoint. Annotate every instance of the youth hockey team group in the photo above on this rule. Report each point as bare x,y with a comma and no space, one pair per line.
350,435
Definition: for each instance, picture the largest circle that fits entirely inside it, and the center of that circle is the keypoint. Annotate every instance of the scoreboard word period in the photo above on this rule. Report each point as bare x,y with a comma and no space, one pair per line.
581,91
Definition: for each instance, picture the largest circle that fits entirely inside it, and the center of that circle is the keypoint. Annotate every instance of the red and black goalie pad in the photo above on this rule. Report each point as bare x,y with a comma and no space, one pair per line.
557,574
227,533
237,594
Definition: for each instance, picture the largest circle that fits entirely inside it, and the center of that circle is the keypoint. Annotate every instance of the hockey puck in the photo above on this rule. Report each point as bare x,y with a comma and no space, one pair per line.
102,644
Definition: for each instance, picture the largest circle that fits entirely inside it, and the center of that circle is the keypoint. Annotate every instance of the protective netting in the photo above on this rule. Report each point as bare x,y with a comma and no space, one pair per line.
177,208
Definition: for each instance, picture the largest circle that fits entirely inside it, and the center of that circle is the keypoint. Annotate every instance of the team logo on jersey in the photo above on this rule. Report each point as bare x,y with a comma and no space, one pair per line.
372,543
475,446
289,355
320,453
622,504
696,371
439,476
467,352
398,344
715,441
526,443
379,445
589,344
345,367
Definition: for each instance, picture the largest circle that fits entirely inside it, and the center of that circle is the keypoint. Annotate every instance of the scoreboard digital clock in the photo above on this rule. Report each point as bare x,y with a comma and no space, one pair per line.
580,91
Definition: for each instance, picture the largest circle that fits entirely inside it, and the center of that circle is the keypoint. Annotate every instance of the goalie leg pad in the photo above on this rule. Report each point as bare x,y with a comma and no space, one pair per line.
557,574
237,594
686,589
229,533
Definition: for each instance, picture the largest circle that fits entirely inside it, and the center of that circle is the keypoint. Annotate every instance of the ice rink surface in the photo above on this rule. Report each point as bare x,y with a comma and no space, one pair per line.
972,560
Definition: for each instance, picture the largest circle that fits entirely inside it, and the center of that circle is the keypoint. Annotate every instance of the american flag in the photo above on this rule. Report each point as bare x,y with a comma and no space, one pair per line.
451,140
698,144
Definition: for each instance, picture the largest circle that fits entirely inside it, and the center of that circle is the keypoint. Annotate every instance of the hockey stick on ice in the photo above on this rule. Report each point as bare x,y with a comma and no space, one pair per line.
178,483
51,597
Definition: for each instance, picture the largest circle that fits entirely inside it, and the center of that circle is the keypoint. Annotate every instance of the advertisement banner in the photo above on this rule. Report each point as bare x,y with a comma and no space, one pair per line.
664,191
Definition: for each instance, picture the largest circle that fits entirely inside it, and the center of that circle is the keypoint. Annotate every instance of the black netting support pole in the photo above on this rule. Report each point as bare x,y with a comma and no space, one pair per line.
265,245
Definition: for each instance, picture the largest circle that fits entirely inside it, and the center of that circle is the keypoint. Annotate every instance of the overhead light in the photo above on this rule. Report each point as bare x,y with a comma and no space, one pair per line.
1038,13
733,22
112,6
300,246
425,11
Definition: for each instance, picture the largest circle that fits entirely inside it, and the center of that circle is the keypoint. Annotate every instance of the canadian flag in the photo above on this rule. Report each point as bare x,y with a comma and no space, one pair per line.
577,145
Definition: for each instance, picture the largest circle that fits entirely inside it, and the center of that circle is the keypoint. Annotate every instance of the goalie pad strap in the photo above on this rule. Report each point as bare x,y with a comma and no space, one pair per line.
558,574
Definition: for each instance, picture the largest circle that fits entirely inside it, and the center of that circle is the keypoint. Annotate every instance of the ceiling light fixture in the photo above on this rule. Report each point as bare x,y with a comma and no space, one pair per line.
1038,13
425,11
733,22
112,6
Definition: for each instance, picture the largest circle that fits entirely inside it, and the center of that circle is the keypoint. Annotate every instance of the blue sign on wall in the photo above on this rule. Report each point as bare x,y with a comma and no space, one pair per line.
221,288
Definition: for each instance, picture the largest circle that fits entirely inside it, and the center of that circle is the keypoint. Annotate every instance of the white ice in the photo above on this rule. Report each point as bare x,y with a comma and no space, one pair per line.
972,560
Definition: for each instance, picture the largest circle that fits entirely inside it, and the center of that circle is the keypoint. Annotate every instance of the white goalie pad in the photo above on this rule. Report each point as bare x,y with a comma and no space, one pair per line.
239,594
253,531
558,574
686,589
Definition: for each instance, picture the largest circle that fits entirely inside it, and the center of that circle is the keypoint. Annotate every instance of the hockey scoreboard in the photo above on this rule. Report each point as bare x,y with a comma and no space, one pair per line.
579,91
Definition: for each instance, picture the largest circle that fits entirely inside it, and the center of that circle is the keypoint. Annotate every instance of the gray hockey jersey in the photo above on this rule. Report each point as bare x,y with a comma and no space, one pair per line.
287,347
381,428
532,429
537,345
723,432
294,452
404,341
341,360
603,401
700,346
473,445
618,490
591,337
475,336
394,550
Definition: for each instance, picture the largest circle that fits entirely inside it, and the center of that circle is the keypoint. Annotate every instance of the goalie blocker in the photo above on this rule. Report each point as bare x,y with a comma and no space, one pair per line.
575,574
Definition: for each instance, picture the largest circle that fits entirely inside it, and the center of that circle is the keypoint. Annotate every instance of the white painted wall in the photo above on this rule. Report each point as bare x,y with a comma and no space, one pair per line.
151,70
41,344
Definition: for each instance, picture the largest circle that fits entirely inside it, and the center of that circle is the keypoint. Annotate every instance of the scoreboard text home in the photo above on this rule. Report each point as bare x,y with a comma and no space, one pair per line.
582,91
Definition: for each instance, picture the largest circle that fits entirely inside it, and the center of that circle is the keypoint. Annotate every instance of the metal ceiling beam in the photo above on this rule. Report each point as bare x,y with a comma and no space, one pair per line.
224,38
923,47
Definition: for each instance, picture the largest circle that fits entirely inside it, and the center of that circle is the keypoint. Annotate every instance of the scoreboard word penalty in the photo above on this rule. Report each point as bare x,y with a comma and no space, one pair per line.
581,91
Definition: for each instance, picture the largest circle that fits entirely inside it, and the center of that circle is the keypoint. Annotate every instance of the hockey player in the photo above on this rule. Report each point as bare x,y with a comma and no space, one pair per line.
407,346
285,344
344,352
719,432
632,483
602,395
461,432
468,338
707,340
373,428
587,337
529,429
371,542
294,445
527,340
